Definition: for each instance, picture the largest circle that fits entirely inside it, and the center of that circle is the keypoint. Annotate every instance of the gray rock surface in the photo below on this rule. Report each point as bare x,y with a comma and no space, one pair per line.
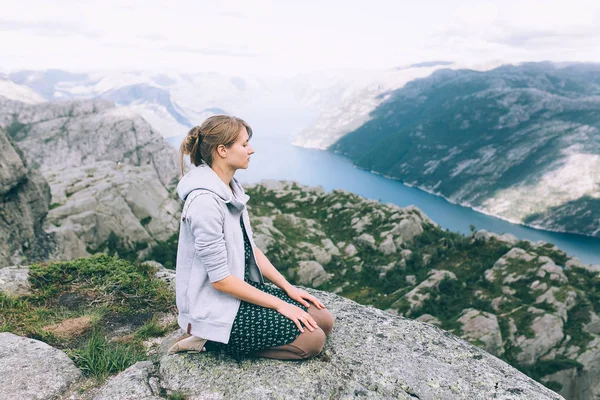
14,280
136,382
388,246
428,318
94,200
162,273
483,327
30,369
311,273
24,202
548,332
108,172
366,240
76,133
369,354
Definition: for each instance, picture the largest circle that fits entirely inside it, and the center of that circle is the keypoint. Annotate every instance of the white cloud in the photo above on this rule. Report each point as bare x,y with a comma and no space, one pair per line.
288,37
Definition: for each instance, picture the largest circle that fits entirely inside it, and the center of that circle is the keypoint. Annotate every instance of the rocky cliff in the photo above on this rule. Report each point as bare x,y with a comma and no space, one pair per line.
24,201
369,354
111,176
77,133
109,206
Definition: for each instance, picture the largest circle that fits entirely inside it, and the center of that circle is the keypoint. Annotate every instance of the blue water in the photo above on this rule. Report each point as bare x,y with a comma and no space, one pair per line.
276,158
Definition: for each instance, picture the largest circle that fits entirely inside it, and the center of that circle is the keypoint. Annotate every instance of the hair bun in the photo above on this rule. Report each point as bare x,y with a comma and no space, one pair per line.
189,142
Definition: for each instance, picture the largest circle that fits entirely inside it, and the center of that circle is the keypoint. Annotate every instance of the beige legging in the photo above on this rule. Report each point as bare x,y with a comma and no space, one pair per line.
308,344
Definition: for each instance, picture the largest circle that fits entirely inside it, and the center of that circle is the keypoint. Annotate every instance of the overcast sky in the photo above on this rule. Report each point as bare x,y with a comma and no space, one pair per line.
288,37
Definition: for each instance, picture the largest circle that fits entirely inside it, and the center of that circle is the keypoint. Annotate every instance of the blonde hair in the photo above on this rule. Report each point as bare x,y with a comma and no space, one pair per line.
201,140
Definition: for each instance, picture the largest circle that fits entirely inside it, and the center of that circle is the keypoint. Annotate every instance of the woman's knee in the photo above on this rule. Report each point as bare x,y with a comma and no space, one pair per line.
307,345
323,318
312,343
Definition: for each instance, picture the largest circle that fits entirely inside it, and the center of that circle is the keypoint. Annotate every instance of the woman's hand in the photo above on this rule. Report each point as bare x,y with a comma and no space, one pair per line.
300,295
297,315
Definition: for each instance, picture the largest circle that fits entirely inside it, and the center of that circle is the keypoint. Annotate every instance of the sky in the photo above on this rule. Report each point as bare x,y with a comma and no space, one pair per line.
285,38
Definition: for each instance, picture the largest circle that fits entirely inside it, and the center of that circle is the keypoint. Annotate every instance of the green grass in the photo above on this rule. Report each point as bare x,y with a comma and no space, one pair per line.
176,396
105,288
109,280
150,329
17,130
99,358
145,221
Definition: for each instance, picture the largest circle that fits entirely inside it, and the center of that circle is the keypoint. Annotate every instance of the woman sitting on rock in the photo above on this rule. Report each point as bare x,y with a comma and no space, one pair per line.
222,298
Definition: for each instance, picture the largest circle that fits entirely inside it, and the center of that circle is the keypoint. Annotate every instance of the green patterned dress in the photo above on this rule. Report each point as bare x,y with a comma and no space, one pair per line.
255,327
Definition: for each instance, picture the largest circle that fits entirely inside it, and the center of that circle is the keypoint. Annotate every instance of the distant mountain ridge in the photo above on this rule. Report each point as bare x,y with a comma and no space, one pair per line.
174,102
171,102
354,105
519,142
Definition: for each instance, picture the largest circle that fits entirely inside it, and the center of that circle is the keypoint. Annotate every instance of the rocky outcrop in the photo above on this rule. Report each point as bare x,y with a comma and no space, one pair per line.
66,134
137,382
370,354
529,303
105,199
24,201
483,327
396,225
416,296
311,273
458,283
30,369
482,234
111,175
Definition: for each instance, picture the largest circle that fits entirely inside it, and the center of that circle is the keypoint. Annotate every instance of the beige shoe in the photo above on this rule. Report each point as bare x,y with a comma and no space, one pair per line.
189,344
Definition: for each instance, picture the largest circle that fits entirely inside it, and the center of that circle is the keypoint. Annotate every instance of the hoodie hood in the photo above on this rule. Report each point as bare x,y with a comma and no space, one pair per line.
203,177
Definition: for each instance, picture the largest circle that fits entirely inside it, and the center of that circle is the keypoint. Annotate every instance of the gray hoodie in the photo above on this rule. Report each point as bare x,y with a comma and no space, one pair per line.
211,247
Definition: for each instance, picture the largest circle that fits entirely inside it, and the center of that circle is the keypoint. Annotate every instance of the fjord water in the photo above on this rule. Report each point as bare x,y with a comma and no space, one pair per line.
276,158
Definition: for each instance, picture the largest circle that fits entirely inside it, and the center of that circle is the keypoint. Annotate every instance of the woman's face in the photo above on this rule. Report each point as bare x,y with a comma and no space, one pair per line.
238,155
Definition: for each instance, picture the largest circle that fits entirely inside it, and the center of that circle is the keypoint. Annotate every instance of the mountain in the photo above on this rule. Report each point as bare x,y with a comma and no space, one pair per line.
111,175
346,106
75,133
343,101
153,104
518,142
51,83
172,103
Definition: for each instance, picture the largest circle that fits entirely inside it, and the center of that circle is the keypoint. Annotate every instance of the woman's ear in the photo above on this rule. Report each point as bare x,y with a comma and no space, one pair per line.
222,150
